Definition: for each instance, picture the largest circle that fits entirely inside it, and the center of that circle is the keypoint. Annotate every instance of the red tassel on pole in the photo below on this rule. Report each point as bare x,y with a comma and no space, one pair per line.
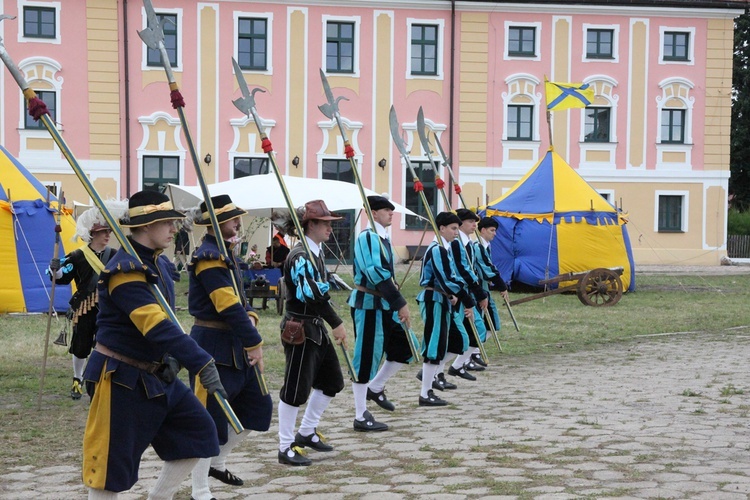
439,183
349,151
266,145
457,189
418,186
177,100
37,108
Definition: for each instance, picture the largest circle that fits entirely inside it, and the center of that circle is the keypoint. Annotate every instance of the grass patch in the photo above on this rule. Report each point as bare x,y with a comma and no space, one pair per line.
52,434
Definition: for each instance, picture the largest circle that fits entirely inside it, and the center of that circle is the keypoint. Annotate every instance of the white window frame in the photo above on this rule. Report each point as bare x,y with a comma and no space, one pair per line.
611,146
50,67
537,41
147,122
615,42
180,40
691,48
687,146
610,195
683,216
268,16
357,20
30,3
440,23
536,98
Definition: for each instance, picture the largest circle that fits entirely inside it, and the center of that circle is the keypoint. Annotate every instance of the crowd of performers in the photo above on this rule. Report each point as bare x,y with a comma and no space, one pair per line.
136,350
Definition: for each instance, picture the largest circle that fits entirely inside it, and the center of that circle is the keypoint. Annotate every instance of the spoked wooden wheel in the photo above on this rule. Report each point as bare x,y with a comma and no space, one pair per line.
600,287
280,296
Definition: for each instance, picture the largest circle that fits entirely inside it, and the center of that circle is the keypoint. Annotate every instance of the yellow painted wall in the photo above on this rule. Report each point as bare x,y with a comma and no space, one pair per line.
639,64
473,88
561,72
382,95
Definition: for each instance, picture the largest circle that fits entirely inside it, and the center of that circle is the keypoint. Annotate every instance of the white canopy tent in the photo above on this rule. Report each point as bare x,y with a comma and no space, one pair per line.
260,193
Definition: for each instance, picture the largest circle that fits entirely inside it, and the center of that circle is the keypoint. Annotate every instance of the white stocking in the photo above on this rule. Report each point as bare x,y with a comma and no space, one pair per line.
101,494
315,408
360,400
201,491
172,475
389,369
287,421
233,439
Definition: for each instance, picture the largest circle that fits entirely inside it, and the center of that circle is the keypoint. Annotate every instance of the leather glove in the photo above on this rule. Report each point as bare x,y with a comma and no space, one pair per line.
169,369
54,269
209,377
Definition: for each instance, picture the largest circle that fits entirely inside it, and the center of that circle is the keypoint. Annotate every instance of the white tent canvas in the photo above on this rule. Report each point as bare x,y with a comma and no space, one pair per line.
259,193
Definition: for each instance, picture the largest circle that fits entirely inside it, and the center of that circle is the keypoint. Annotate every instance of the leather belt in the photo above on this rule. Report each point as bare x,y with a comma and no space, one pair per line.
147,366
219,325
368,290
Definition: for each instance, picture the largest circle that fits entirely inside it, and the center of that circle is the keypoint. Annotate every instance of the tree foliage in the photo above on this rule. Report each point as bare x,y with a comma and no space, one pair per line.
739,182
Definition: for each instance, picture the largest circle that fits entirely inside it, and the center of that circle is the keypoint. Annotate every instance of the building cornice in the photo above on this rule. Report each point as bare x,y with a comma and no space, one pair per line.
642,8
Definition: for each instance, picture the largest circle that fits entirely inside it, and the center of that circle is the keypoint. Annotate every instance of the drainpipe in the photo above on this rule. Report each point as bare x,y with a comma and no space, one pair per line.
126,63
452,90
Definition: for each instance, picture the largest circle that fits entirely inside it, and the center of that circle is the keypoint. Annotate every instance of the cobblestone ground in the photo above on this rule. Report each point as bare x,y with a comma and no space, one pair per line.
662,417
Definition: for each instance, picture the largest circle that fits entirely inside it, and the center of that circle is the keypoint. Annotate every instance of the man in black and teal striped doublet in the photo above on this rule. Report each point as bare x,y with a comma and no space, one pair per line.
378,310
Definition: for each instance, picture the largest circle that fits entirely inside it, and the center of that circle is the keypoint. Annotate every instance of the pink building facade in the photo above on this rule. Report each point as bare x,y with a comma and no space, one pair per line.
655,140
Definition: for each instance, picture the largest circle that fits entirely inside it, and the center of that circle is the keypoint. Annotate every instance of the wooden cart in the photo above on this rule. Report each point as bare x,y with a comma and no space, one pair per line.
598,287
265,284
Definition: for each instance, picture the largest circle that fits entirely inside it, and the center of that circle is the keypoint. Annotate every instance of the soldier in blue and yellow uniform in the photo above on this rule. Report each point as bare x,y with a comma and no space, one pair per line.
378,309
487,273
225,328
136,398
312,365
442,290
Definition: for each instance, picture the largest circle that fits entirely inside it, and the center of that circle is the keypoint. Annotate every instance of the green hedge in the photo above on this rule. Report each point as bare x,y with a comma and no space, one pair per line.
738,222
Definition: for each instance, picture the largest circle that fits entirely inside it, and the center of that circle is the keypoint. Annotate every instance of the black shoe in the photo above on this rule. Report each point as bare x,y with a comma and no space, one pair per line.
419,375
475,367
309,441
76,391
438,384
461,373
225,477
380,400
444,383
477,358
431,400
369,424
212,498
293,456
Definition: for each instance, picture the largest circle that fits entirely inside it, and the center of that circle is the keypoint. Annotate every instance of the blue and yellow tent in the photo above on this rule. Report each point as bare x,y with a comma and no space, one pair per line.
553,222
27,240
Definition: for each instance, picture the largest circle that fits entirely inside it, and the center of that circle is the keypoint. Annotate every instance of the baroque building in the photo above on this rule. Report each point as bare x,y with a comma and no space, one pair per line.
655,140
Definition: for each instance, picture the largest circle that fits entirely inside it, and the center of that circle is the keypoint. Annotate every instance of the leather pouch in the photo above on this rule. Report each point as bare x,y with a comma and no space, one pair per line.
293,332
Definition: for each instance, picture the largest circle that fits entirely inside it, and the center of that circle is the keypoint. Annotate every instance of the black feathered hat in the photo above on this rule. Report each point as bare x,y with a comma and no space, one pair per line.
146,207
224,209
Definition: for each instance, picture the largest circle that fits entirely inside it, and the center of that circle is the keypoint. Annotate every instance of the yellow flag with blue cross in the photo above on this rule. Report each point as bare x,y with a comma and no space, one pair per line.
562,96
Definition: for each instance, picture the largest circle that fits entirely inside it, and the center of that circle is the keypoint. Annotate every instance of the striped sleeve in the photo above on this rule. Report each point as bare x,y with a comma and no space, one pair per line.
216,278
133,295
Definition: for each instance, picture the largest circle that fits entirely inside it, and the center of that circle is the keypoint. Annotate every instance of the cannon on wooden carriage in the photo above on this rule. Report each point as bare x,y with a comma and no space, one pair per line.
597,287
265,284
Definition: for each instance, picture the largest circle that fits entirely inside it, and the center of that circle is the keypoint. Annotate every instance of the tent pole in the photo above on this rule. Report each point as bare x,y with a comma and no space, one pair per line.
54,266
